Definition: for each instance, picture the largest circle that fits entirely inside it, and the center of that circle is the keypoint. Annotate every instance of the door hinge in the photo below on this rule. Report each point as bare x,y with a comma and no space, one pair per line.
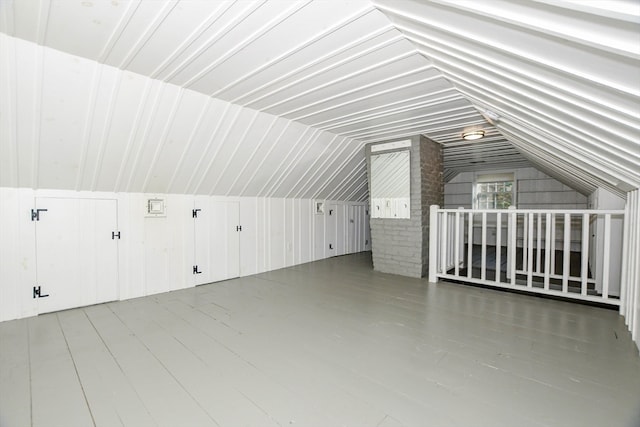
195,270
114,235
35,214
194,213
238,228
37,292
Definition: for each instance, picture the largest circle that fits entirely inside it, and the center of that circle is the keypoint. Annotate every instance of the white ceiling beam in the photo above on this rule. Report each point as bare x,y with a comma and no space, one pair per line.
148,32
227,27
522,53
366,97
318,88
546,23
306,44
256,169
391,108
319,60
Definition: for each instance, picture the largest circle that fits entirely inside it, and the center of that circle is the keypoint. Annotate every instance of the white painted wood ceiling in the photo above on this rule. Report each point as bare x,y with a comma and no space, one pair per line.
277,98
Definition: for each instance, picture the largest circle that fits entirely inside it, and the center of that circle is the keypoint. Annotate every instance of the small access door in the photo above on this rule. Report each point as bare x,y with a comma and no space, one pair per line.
216,240
352,230
201,214
76,252
225,240
332,230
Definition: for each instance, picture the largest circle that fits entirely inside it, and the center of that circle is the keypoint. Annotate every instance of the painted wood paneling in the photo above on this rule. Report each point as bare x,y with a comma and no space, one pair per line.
276,226
155,253
540,68
534,190
75,124
365,70
249,219
305,236
630,292
290,226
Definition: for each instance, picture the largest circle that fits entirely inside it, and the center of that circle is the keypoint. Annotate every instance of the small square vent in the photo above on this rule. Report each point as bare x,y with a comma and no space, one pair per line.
156,207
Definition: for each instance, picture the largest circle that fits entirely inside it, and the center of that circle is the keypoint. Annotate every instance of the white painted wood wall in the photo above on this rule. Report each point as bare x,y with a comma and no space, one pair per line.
157,254
603,199
630,297
70,123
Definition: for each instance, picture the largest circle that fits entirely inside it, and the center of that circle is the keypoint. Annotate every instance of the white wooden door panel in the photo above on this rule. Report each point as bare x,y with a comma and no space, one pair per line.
332,230
76,256
201,215
234,228
352,231
98,220
248,236
224,238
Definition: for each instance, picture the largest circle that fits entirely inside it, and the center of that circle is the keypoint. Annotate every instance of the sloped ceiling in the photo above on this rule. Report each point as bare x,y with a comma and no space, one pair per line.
277,98
563,77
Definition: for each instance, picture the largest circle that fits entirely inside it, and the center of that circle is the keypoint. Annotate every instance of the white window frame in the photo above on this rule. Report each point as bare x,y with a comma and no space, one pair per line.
491,177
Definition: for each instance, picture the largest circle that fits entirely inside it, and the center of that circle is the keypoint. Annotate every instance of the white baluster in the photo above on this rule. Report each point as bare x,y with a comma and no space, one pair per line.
498,244
607,256
566,252
547,250
584,270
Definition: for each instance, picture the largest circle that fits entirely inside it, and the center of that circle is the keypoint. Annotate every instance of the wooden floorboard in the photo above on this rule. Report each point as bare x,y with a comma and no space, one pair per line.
101,374
329,343
56,391
15,374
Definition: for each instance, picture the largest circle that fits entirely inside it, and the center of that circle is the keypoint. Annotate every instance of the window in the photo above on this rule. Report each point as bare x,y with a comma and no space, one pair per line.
495,191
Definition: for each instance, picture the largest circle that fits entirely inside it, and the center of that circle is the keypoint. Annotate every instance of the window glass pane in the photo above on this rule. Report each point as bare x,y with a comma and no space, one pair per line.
494,195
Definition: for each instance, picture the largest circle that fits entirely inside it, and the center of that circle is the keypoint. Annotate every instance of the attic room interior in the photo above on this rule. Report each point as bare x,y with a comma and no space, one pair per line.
319,213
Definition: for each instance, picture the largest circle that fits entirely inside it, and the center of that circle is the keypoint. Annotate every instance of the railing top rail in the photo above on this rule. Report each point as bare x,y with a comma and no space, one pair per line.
556,211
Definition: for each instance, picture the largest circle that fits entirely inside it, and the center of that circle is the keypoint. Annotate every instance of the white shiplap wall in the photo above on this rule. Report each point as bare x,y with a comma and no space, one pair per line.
630,297
276,233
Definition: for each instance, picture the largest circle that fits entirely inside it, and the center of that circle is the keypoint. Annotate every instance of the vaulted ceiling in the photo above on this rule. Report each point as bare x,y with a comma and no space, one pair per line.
277,98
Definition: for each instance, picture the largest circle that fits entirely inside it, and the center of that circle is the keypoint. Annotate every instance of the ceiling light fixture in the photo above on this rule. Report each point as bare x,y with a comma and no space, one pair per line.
473,135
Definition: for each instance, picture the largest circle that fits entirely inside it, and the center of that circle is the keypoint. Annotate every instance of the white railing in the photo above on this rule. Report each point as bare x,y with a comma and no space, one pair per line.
569,253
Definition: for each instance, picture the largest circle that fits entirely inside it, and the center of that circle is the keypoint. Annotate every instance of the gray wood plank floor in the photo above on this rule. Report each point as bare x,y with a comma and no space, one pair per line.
330,343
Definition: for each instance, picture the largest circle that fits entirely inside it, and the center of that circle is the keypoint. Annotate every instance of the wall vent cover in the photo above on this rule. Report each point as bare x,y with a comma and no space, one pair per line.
156,207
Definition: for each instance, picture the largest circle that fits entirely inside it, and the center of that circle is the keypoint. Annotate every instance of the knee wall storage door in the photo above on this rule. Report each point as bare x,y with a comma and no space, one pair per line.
216,230
76,252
